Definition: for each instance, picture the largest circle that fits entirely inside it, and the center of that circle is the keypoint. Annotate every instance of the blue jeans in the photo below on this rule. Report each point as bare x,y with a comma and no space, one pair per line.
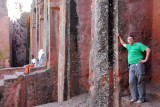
137,82
41,61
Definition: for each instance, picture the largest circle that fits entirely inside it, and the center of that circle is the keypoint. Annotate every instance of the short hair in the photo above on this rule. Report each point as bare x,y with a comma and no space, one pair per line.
32,56
131,36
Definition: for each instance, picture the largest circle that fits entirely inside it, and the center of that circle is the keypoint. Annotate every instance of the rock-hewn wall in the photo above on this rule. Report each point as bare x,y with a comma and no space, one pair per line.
156,42
19,44
107,83
84,40
135,18
4,34
27,91
79,46
18,34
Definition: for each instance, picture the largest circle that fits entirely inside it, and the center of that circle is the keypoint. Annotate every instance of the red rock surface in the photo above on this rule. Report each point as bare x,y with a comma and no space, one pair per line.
29,90
80,37
69,54
4,35
135,18
156,42
84,39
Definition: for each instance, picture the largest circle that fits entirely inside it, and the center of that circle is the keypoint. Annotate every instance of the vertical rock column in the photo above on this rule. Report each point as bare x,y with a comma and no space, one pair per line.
62,50
99,78
46,32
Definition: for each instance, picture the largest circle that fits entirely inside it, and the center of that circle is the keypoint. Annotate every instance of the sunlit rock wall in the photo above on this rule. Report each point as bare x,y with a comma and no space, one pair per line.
4,35
18,33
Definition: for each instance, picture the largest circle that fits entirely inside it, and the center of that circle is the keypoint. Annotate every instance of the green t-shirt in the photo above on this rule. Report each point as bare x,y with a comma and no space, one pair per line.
135,52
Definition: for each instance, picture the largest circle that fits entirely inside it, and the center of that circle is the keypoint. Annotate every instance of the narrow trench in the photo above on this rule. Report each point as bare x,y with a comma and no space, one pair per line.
110,33
67,73
110,46
71,40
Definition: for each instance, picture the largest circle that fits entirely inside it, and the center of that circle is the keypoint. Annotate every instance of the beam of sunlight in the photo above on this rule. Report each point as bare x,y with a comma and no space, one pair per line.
17,7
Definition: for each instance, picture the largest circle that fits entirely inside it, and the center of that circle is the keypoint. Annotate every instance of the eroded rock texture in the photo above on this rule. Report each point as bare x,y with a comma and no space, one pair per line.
78,46
100,89
19,43
135,18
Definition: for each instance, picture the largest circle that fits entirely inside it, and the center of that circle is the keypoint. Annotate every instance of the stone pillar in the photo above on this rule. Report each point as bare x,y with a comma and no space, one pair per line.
46,33
103,65
62,50
68,54
99,65
37,24
32,35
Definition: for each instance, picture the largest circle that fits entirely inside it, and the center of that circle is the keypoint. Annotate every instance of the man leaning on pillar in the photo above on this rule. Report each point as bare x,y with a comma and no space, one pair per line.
137,82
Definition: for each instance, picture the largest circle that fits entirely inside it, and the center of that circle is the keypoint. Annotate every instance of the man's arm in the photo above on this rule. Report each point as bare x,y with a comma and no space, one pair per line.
148,51
121,40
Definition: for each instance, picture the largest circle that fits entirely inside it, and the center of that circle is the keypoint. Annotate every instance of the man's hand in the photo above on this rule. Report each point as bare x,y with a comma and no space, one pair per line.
142,61
121,40
118,35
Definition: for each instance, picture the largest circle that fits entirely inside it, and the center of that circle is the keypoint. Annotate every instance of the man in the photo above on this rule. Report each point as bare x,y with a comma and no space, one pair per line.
33,61
33,64
137,83
40,56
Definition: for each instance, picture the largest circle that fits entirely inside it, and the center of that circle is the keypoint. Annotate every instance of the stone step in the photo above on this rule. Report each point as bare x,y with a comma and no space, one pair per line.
1,83
6,77
19,73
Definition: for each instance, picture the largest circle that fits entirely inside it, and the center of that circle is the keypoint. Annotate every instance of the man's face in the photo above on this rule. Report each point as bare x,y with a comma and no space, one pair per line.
130,40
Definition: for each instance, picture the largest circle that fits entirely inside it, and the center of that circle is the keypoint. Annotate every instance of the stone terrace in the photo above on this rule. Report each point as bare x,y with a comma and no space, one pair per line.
17,89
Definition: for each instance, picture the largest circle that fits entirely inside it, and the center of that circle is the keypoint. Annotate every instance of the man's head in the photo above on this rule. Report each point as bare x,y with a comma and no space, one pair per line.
130,40
32,56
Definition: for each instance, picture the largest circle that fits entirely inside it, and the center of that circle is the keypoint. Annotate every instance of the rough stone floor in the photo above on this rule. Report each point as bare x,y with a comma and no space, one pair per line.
78,101
152,98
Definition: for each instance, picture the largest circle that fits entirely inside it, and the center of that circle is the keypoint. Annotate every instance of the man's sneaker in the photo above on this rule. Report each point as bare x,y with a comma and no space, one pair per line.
139,102
131,101
25,74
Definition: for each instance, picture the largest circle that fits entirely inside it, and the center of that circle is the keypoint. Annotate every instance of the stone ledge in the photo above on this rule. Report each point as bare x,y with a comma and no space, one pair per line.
33,69
10,71
1,83
9,77
36,88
